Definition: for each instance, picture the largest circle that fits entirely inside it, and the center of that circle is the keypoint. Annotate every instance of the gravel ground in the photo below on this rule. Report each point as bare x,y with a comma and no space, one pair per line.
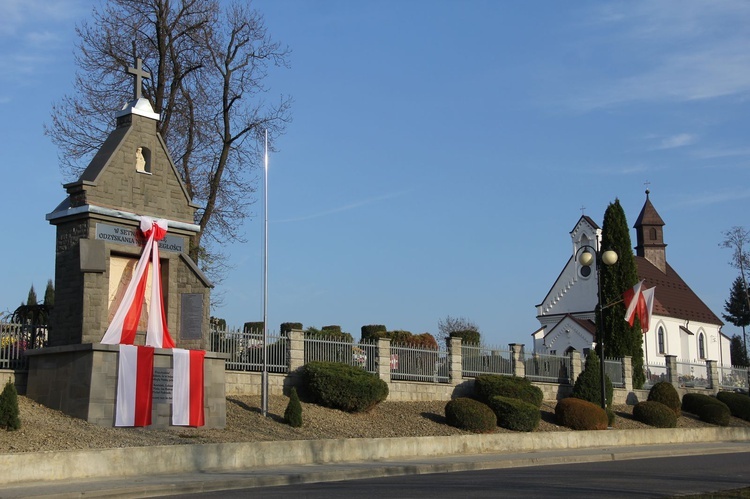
43,429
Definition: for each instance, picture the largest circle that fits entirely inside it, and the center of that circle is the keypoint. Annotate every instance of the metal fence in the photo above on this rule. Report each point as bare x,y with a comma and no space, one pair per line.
692,374
363,354
245,350
484,359
550,368
15,339
733,378
410,363
613,369
655,372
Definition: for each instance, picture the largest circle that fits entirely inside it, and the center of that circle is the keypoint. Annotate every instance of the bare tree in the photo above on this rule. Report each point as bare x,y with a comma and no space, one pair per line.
208,68
454,325
738,240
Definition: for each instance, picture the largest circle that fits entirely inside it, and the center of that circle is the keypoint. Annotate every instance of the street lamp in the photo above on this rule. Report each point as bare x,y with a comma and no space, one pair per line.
587,255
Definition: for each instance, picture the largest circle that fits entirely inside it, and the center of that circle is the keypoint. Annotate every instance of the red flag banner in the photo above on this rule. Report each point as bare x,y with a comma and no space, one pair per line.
135,384
639,303
187,388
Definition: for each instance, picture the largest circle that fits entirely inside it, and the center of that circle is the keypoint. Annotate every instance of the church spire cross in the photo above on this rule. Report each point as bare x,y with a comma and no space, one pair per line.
139,74
583,210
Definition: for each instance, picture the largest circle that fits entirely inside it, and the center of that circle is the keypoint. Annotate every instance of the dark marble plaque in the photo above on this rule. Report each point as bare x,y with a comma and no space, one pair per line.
191,316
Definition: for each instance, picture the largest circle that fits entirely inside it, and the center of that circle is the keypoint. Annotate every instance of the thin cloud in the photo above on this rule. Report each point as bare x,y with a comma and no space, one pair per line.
675,141
711,199
344,208
721,153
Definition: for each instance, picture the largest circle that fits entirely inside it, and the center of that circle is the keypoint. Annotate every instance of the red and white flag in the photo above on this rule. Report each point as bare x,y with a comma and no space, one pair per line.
124,324
135,384
640,303
187,388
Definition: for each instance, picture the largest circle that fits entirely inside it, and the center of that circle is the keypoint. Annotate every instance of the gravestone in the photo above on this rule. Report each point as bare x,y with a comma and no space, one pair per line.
97,247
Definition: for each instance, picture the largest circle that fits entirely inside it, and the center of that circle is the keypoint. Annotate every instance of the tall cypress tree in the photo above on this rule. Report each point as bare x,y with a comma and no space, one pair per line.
737,311
620,339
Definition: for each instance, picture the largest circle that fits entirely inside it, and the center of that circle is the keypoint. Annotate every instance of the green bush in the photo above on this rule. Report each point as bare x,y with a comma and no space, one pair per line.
738,403
373,331
293,412
718,414
340,386
469,414
515,414
254,327
287,327
666,393
9,414
692,402
655,414
580,414
468,337
487,386
588,386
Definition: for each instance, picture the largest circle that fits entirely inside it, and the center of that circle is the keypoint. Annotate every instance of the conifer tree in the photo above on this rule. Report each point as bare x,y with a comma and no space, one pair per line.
293,412
737,311
620,339
9,413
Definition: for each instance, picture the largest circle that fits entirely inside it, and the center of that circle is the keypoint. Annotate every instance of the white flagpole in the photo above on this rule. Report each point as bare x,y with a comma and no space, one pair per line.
264,372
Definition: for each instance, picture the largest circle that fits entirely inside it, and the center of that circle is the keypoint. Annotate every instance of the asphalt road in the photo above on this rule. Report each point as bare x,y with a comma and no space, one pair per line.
641,478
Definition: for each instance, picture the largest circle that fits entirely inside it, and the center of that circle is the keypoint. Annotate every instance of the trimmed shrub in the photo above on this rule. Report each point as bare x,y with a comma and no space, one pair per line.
738,403
515,414
254,327
588,386
293,412
468,337
329,333
469,414
287,327
579,414
9,413
718,414
373,331
667,394
340,386
692,402
655,413
487,386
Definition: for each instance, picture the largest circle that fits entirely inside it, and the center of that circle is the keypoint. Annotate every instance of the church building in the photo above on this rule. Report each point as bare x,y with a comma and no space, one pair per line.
681,324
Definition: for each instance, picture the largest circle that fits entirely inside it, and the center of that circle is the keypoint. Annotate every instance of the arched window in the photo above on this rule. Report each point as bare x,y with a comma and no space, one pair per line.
660,339
652,233
701,346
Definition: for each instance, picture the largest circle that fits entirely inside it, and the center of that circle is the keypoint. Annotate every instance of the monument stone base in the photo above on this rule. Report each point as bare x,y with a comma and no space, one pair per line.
81,381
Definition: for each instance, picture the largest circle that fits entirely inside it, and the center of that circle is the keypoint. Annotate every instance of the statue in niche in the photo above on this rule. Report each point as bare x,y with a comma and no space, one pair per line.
140,161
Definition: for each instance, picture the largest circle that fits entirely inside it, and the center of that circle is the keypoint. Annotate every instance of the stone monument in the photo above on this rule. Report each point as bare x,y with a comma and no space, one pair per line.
97,248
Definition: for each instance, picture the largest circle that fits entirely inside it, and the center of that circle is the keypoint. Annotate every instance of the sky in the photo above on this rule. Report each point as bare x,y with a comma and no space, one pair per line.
440,152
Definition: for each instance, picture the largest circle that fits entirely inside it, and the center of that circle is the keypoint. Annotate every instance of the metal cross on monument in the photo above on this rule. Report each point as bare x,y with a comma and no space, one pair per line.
139,74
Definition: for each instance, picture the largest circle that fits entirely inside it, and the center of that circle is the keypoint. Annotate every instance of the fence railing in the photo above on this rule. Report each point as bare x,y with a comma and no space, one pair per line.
363,354
15,339
485,359
550,368
692,374
410,363
733,378
245,350
655,372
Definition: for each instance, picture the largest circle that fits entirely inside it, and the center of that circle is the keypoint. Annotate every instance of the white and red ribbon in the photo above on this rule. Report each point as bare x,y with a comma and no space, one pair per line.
124,324
640,303
187,388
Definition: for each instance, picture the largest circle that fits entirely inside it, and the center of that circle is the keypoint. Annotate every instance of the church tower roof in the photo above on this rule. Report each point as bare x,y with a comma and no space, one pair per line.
649,232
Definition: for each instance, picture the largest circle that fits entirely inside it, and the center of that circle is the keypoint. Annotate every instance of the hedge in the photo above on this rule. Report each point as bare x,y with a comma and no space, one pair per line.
469,414
515,414
340,386
579,414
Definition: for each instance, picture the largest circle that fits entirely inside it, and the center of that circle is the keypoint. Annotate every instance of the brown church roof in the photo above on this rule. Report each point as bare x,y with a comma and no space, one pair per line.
673,297
648,215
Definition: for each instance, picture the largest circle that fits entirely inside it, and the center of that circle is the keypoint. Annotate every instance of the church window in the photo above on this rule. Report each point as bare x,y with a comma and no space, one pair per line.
652,233
701,346
660,339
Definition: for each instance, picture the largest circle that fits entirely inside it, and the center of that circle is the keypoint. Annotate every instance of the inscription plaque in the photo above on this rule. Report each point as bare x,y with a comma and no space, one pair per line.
191,316
128,236
163,383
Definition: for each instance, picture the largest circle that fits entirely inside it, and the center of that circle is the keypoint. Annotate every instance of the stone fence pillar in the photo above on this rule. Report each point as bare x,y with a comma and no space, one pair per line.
672,375
516,360
627,373
713,375
576,366
455,361
295,349
383,364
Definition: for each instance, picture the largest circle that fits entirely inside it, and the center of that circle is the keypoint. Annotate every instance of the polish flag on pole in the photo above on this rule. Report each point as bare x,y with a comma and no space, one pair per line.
187,388
640,303
135,383
124,324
